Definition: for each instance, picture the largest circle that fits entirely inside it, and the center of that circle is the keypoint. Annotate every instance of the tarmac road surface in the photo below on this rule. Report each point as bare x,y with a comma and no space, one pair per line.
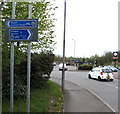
105,90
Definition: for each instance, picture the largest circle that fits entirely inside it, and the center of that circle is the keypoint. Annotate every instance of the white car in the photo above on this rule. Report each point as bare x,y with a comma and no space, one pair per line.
54,63
101,74
61,67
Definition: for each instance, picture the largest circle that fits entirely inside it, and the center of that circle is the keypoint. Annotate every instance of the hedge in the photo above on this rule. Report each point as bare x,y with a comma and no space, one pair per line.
85,67
41,67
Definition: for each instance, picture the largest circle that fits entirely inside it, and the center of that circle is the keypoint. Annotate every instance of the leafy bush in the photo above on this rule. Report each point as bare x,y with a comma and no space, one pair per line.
19,88
41,68
85,67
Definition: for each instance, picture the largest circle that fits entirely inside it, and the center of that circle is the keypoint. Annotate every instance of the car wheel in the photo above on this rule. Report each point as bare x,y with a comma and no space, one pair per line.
99,78
111,79
89,76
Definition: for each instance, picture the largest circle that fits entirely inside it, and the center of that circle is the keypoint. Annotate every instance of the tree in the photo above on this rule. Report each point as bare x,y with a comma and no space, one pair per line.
42,12
108,57
105,59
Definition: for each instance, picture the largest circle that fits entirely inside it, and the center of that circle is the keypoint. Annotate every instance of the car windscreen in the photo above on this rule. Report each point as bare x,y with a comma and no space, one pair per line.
107,70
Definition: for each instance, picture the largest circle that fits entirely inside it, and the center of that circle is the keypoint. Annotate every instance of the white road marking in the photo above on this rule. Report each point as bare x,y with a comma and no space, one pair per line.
99,98
111,85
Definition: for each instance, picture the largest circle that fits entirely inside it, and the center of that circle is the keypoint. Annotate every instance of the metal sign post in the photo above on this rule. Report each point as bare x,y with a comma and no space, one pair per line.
63,71
115,57
12,66
17,30
29,65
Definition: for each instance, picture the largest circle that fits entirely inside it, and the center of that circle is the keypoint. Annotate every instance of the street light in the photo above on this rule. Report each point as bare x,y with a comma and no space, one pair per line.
63,71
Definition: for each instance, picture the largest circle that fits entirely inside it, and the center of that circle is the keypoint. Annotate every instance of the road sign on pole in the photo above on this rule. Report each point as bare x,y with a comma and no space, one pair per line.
21,23
115,55
17,30
20,30
77,61
20,34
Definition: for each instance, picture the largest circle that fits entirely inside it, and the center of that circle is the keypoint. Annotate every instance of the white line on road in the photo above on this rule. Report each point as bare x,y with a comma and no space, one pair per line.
111,85
93,94
99,98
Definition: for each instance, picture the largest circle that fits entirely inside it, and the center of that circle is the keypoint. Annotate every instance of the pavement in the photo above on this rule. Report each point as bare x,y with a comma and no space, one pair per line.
78,99
117,74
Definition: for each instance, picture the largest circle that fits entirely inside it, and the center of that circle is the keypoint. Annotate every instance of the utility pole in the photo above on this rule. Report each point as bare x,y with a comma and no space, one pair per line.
63,71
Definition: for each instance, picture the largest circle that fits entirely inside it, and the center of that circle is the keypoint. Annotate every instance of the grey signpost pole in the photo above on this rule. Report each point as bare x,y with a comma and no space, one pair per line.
29,65
12,66
63,71
17,30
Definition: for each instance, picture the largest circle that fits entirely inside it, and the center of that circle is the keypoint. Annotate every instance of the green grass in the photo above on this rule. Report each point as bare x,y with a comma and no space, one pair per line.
48,99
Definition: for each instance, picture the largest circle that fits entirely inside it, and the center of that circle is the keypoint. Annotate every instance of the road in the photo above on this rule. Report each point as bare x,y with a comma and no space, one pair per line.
107,91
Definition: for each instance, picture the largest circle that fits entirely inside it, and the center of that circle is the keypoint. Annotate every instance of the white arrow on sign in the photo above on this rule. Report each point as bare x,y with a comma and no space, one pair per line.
115,54
29,34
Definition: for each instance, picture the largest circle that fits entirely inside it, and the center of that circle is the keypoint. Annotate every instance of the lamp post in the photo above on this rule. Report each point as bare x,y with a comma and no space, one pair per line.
63,71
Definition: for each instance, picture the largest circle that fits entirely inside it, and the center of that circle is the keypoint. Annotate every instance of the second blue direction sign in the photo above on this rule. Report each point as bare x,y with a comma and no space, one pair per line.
20,34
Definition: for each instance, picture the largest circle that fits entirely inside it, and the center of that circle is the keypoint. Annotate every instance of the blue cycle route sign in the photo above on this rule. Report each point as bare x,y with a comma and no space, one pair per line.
17,30
22,23
20,34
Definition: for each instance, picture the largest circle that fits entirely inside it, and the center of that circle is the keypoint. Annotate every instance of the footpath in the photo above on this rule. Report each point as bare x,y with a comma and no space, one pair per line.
78,99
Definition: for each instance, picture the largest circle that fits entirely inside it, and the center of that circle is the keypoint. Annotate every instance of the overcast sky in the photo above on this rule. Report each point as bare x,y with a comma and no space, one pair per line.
93,24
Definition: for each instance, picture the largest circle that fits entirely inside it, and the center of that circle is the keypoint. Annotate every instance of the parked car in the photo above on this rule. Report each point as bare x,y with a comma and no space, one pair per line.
61,67
54,63
118,68
101,74
112,68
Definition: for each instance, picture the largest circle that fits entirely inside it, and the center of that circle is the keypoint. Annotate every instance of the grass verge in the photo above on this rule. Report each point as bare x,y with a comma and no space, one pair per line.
47,99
